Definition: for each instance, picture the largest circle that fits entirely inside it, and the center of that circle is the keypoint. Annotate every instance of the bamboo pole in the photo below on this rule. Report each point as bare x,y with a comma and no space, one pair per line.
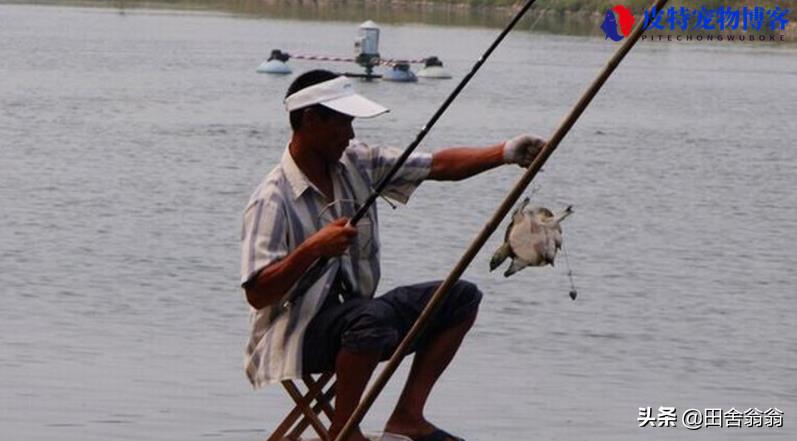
508,202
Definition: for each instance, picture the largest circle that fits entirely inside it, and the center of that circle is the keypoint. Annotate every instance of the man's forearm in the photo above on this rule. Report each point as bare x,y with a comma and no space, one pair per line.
453,164
273,282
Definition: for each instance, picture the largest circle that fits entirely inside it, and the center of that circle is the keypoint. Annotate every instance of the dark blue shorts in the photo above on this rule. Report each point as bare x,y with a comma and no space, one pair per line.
379,324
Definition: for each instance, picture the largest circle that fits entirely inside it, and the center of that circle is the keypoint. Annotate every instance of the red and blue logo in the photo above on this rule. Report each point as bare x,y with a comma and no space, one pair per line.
617,23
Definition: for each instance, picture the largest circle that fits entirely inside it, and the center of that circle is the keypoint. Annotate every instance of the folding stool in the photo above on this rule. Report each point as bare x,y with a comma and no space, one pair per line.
291,429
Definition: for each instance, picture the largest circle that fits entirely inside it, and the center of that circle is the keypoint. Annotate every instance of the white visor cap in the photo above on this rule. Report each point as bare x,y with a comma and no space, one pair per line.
338,94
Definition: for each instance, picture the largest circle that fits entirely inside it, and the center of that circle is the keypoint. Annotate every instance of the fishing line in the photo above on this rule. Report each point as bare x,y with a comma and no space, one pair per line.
573,291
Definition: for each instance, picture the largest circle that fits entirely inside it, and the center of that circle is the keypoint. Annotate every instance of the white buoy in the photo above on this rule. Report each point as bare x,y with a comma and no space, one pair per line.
274,67
433,68
400,72
276,64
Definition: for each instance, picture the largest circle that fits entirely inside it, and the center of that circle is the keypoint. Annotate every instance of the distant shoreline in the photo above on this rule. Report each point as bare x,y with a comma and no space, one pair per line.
569,13
587,12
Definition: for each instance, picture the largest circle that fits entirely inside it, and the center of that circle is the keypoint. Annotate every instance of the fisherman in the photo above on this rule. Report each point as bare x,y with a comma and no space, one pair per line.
300,213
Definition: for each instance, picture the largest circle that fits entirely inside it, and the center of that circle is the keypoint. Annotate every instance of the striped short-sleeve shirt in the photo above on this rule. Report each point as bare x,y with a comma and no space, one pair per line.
284,210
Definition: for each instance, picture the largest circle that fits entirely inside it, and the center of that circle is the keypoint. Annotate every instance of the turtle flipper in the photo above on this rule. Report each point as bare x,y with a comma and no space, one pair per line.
563,214
500,255
516,266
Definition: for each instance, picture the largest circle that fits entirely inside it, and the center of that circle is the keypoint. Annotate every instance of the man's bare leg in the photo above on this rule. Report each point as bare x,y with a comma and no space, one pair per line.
353,370
430,362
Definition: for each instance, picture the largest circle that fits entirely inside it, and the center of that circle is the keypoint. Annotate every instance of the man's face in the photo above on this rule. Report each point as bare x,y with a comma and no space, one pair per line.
331,134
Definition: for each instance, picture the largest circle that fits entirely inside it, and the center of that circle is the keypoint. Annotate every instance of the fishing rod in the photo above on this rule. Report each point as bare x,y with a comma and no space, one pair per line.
319,267
507,204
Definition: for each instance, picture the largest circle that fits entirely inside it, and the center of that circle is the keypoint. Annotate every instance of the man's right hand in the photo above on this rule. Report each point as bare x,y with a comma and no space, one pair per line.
334,239
275,280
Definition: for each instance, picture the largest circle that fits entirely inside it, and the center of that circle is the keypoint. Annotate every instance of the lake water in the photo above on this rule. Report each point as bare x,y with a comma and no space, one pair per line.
129,144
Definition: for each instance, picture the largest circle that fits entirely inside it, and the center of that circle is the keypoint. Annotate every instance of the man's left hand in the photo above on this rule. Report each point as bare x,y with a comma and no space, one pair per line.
522,149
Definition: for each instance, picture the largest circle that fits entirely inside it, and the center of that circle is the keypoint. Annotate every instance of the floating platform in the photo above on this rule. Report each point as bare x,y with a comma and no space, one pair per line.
277,63
400,72
433,68
274,67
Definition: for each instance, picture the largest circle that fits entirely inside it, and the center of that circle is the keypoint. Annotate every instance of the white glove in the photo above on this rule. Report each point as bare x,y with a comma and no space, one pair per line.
522,149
